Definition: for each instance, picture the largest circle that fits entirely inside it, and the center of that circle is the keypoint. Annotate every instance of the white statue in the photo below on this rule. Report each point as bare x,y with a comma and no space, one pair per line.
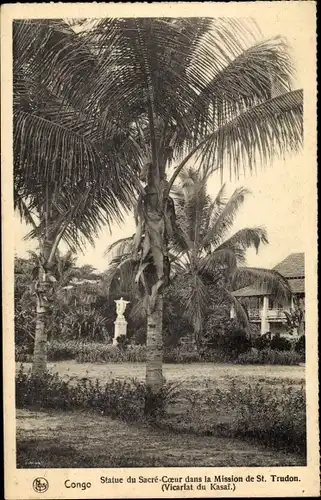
121,306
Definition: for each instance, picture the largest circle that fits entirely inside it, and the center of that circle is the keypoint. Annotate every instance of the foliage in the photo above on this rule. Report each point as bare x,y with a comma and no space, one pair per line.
182,354
209,259
230,343
275,417
175,323
24,303
56,351
269,356
157,404
280,343
93,352
217,323
138,336
104,353
262,341
236,343
122,342
226,117
117,398
206,262
123,399
300,345
79,306
269,341
295,318
56,123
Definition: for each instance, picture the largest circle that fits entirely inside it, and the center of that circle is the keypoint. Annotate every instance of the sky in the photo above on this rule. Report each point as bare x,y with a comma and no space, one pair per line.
276,202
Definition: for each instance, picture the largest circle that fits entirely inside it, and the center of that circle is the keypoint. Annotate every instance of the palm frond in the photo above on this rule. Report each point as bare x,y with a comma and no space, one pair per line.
240,312
269,281
39,45
60,145
223,258
225,217
78,214
23,208
120,275
139,309
195,299
120,247
246,238
245,81
259,135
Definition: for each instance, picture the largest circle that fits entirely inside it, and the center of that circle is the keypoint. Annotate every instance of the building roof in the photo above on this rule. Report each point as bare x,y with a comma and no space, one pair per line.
291,268
250,291
296,285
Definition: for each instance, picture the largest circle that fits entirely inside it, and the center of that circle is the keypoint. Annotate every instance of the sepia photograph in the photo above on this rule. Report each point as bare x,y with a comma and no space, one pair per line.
160,248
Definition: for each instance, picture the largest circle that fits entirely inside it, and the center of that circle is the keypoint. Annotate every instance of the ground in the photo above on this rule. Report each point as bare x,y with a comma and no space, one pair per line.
83,439
54,439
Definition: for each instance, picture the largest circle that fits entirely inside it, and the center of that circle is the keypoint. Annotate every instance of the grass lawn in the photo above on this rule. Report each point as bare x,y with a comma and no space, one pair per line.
192,376
86,439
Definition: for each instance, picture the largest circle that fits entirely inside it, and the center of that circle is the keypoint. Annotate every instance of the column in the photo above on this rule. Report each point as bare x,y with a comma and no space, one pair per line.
264,315
292,306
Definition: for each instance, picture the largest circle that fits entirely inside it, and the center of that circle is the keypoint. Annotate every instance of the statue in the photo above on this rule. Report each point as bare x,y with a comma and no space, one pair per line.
120,323
121,306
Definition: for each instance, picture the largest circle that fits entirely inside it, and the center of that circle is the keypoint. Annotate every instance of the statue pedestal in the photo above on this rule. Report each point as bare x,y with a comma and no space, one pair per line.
120,329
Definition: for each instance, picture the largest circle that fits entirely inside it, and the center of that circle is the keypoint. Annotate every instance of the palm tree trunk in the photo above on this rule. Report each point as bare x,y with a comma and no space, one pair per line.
154,355
39,364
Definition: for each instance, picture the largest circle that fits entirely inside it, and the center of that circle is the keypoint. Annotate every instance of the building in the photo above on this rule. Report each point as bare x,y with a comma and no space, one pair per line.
266,312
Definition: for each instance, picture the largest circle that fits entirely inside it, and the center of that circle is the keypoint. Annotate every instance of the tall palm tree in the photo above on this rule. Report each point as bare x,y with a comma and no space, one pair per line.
191,88
207,255
71,171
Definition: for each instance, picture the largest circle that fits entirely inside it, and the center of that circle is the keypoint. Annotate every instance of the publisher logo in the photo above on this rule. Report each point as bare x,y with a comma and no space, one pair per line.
40,485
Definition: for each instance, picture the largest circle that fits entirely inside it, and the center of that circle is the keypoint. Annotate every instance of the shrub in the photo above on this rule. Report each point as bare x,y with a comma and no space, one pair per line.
269,357
262,341
93,352
230,343
122,342
280,343
102,353
118,398
62,351
156,405
236,343
182,354
23,353
274,416
56,351
124,399
300,345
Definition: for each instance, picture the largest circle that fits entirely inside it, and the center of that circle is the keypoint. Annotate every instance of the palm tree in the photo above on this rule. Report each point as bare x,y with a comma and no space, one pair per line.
203,254
191,88
71,171
207,256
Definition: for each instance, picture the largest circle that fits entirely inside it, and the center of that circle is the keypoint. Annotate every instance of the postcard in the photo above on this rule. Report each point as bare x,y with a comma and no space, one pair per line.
159,214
